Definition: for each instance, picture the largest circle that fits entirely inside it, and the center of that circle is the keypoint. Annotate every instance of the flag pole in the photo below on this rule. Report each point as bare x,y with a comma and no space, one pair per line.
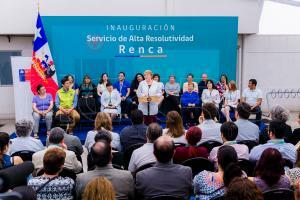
38,5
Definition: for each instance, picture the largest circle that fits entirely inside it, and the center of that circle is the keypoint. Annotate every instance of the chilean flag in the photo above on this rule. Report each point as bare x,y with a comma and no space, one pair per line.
42,66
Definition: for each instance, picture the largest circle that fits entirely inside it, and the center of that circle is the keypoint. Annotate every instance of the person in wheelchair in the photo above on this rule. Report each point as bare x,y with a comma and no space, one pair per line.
111,101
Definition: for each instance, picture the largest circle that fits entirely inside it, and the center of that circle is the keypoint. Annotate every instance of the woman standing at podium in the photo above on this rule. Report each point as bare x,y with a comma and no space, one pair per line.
149,92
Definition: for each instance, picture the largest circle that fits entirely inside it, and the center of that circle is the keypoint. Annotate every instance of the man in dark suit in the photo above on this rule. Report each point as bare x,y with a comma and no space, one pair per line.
165,178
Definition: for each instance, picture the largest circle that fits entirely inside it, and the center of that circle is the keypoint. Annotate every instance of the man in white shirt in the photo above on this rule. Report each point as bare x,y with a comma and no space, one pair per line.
144,155
253,96
210,129
247,129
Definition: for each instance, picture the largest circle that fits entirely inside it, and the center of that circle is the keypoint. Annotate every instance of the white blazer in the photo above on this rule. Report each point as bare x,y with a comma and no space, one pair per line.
212,97
113,97
144,91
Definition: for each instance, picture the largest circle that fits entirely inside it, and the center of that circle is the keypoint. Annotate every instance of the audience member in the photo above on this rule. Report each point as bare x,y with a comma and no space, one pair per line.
102,122
269,171
294,173
66,102
190,103
191,150
253,96
243,189
276,134
56,140
87,89
229,132
174,127
50,185
202,84
231,99
210,129
134,86
6,160
42,105
144,155
208,185
24,141
134,134
165,178
295,137
190,81
99,189
211,95
247,129
121,180
110,101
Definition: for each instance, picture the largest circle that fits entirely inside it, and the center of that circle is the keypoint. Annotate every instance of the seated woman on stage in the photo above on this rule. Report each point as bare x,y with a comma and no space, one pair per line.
190,82
150,90
111,101
42,105
190,105
222,86
101,87
87,88
232,97
156,77
73,85
172,100
210,94
134,86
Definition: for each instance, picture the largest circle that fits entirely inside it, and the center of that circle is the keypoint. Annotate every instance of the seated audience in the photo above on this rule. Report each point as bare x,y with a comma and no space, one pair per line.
231,99
165,178
101,87
174,127
121,180
243,189
276,134
182,153
202,84
56,139
136,133
103,122
134,86
294,173
210,129
24,141
211,95
269,171
66,102
229,132
99,189
156,77
73,142
247,129
253,96
295,137
144,155
42,105
222,86
208,185
5,159
50,185
111,101
123,87
172,100
87,89
190,81
190,103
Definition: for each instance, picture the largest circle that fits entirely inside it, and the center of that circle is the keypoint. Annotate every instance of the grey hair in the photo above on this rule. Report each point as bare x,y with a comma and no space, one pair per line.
23,127
280,113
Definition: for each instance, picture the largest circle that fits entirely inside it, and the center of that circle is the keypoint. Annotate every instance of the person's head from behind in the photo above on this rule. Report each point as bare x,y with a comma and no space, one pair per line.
101,153
243,189
41,90
204,77
228,163
270,166
56,136
154,131
174,124
87,80
137,117
276,129
280,113
209,111
164,149
252,84
210,84
109,87
229,131
4,142
243,110
190,88
65,82
53,161
103,135
190,78
121,76
99,188
156,77
172,79
23,127
193,135
232,85
103,120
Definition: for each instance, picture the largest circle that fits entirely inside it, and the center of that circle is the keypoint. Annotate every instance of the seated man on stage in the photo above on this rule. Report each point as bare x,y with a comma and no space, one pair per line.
190,102
66,102
111,101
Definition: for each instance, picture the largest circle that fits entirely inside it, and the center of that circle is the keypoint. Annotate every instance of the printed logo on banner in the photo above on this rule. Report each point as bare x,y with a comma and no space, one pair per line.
24,75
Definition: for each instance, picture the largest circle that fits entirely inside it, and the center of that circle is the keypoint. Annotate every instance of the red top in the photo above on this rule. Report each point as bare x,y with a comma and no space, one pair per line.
183,153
